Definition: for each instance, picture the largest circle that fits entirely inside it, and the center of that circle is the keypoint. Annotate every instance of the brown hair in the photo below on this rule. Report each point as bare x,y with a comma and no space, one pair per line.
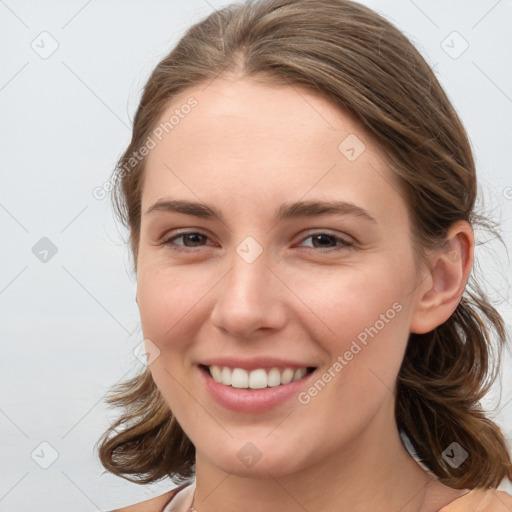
368,68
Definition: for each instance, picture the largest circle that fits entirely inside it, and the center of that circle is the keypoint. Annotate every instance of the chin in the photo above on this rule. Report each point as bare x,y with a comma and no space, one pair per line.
259,460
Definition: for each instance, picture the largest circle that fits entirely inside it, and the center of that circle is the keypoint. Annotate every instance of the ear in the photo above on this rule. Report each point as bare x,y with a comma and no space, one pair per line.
442,283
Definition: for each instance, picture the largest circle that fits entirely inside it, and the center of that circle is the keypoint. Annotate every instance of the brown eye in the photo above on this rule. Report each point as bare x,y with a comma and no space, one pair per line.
190,239
327,241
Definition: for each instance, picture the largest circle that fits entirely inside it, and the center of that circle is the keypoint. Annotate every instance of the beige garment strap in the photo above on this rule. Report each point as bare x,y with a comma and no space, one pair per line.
182,501
481,500
478,500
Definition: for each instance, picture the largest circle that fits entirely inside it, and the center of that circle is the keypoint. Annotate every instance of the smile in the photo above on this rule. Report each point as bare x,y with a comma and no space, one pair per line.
259,378
254,385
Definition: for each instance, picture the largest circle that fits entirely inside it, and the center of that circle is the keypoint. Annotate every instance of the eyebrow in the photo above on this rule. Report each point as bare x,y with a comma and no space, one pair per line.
285,211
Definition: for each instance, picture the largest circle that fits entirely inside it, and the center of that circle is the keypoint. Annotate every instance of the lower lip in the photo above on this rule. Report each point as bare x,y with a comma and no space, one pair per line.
252,400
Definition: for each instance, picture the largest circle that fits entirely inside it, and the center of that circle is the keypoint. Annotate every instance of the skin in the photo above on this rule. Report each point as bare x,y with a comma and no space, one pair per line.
247,148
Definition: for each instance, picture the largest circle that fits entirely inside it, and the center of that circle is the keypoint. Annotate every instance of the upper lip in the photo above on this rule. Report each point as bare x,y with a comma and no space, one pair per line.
254,363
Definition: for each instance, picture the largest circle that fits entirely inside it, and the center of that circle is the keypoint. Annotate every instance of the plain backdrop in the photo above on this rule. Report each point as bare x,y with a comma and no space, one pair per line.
70,80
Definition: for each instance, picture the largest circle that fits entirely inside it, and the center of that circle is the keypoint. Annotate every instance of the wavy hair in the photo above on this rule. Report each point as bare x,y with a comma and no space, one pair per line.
368,68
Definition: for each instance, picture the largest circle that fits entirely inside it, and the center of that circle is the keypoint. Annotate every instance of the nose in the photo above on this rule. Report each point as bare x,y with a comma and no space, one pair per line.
249,300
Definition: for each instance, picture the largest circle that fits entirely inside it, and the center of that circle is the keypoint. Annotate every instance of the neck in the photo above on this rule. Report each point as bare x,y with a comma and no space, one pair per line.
374,472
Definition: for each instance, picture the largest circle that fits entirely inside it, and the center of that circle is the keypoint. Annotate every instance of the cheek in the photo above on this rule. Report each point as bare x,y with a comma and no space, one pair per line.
361,319
350,300
166,297
369,320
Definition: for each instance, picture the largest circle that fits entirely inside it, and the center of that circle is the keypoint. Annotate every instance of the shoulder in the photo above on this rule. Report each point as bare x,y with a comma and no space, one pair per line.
151,505
481,500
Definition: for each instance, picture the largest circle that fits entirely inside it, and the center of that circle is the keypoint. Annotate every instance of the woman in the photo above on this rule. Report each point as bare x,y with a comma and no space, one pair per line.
300,198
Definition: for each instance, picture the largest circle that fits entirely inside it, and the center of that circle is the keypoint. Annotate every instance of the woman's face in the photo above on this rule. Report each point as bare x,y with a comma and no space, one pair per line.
279,239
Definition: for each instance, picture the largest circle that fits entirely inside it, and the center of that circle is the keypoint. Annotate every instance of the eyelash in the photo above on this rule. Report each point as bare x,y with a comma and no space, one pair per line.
344,244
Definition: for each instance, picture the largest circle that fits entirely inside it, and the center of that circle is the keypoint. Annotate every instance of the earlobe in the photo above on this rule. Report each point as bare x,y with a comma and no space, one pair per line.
449,269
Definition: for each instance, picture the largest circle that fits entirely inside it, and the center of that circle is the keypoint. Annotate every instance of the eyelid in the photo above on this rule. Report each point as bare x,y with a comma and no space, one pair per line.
319,231
346,242
169,237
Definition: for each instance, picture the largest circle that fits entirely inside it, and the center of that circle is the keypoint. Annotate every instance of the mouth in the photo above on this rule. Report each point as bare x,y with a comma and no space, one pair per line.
259,378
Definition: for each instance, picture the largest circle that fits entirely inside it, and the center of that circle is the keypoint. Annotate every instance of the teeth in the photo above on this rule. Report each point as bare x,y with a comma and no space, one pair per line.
255,379
299,374
226,376
274,378
239,378
216,373
287,376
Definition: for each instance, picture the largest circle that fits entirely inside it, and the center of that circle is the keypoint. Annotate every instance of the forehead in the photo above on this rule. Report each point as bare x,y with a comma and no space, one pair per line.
230,111
260,141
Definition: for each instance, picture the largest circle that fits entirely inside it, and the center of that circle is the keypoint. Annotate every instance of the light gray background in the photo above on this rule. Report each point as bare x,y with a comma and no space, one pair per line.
69,325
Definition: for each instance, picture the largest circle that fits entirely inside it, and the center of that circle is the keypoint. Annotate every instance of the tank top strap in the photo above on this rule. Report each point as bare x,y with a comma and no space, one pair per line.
182,499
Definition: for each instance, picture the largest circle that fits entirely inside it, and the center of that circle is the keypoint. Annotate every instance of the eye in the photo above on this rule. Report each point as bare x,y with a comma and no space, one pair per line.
320,240
188,238
327,241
